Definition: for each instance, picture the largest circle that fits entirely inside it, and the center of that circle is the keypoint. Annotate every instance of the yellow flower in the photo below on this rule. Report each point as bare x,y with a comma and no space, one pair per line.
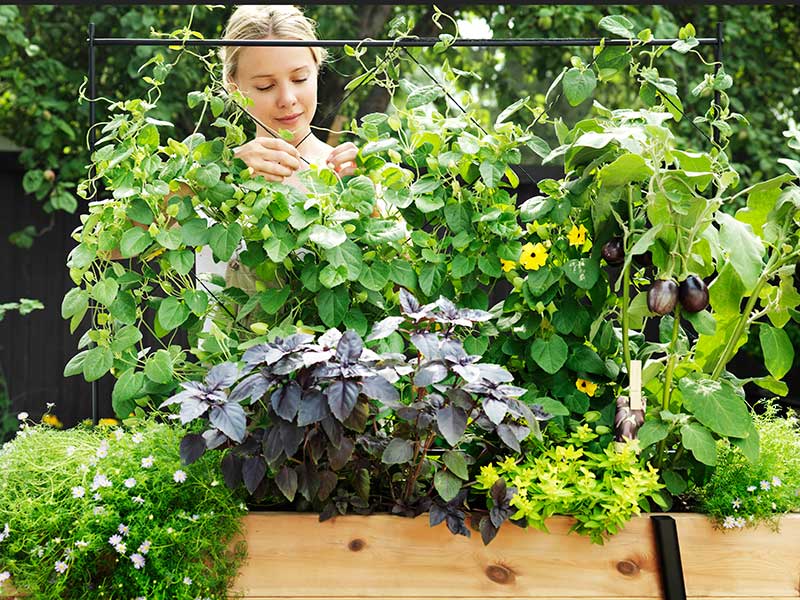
587,387
533,256
488,476
507,264
577,236
52,420
107,422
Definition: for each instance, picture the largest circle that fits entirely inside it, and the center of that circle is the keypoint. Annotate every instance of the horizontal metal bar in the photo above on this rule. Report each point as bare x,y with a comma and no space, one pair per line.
418,42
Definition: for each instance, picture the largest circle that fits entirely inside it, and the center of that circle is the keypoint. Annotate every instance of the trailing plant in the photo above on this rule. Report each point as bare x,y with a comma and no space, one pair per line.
334,426
744,493
99,510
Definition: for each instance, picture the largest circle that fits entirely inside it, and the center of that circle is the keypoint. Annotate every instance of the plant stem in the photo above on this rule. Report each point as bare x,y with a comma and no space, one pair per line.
626,293
412,480
676,329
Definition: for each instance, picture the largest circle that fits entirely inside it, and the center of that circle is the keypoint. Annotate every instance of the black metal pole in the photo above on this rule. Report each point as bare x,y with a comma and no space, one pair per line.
717,66
669,557
418,42
92,138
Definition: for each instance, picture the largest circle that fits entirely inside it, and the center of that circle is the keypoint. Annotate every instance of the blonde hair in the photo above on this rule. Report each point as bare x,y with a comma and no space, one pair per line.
258,22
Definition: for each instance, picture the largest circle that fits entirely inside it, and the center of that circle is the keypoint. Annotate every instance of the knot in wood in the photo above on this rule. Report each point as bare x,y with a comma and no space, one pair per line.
627,567
499,574
356,545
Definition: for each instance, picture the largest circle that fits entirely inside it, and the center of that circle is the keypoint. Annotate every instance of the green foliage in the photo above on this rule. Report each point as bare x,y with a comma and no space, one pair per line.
602,489
82,508
743,493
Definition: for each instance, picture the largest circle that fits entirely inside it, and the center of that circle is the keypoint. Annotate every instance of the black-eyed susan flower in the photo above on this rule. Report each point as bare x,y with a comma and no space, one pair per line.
577,236
533,256
586,387
507,264
52,421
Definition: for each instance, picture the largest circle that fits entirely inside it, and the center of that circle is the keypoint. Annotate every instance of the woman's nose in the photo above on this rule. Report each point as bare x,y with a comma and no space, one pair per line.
286,97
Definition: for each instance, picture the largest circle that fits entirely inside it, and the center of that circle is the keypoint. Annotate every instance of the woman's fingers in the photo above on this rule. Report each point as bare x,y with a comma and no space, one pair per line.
343,159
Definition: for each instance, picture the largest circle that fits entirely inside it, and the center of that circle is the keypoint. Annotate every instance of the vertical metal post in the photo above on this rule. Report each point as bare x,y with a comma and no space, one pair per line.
669,557
92,139
717,66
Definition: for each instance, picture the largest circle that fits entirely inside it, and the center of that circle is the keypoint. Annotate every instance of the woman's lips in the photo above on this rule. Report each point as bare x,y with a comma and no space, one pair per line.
290,118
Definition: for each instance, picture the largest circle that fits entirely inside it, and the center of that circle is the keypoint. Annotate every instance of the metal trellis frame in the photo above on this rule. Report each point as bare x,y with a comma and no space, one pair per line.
663,525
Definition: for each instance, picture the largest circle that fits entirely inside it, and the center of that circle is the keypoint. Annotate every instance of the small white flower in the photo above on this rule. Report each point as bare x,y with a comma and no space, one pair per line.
78,491
83,469
170,530
119,434
214,483
729,522
776,482
115,539
22,416
740,522
187,580
147,462
99,481
137,560
194,517
40,552
144,547
751,488
5,576
121,547
137,438
99,510
102,451
129,482
4,533
123,529
70,450
774,506
50,406
179,476
138,499
140,598
81,544
97,496
61,566
737,503
765,485
57,540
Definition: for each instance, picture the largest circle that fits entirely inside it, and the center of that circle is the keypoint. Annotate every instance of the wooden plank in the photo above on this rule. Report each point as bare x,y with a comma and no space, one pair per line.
381,556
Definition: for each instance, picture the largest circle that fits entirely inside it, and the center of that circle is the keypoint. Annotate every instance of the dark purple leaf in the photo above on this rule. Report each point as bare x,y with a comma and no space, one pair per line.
356,370
285,400
273,445
308,481
349,347
334,430
357,420
457,524
437,514
193,446
378,388
252,387
222,375
342,397
453,351
385,328
286,480
495,373
230,419
327,483
315,444
399,451
495,410
361,484
499,493
253,471
288,364
327,370
214,438
452,423
429,373
328,512
460,398
407,413
291,437
313,408
474,314
507,436
231,466
262,354
192,408
427,344
338,457
408,302
488,530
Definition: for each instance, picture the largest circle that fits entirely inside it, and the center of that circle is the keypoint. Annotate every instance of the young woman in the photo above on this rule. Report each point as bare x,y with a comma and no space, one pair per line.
282,82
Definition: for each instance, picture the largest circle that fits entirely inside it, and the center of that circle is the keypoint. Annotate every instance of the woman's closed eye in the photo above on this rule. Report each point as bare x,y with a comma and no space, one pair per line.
269,87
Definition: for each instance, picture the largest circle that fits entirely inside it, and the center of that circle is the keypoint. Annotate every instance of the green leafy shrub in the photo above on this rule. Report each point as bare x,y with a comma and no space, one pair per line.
742,493
105,511
601,489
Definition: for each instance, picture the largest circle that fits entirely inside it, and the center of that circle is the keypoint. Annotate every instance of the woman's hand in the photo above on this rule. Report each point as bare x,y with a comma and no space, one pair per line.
343,159
274,158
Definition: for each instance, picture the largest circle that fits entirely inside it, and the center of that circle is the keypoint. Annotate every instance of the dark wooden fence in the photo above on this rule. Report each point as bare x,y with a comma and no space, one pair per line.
35,348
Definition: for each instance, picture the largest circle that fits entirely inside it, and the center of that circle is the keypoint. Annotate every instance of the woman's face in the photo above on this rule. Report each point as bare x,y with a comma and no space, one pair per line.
282,81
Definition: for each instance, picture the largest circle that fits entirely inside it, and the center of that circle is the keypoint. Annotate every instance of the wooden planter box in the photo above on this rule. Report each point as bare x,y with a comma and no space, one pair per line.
393,558
380,556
